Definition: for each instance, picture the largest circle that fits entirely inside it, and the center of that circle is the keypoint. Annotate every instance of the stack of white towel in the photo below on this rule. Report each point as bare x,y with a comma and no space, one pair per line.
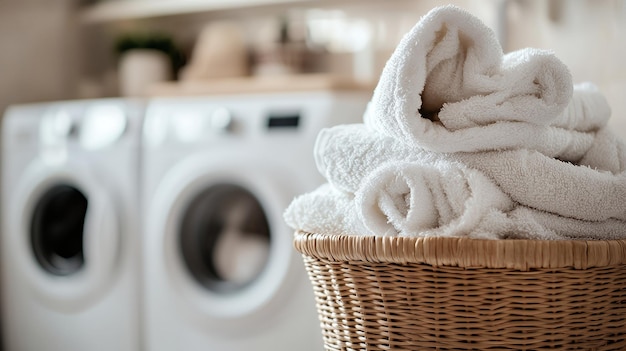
461,140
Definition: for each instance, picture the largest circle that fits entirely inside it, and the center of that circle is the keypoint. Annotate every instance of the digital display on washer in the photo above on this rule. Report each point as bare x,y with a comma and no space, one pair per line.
57,230
276,120
224,238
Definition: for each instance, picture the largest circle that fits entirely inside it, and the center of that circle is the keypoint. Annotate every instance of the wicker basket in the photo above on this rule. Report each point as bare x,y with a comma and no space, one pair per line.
383,293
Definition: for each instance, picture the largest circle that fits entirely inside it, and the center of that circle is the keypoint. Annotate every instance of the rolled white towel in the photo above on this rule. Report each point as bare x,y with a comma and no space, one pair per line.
438,199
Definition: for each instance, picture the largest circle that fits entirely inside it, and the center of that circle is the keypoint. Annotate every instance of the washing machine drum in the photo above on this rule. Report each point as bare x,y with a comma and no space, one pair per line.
64,235
224,238
57,230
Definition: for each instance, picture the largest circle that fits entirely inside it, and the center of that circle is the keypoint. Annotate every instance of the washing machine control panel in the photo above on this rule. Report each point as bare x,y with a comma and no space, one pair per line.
57,126
96,126
221,120
102,126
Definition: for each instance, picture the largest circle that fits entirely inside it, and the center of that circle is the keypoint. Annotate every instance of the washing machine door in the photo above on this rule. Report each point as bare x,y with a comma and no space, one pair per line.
228,256
65,234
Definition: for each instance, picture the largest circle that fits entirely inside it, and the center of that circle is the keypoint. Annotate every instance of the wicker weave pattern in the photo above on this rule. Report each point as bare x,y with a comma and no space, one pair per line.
401,305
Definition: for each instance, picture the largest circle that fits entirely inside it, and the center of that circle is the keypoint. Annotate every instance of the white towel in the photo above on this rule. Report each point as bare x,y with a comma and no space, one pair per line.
240,253
437,199
554,186
607,153
527,223
587,111
434,200
348,154
325,210
462,140
448,88
533,86
345,154
329,211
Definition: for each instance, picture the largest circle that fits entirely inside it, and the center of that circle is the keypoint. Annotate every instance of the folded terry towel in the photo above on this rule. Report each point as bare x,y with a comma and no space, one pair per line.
607,153
527,223
554,186
448,88
533,86
347,154
587,111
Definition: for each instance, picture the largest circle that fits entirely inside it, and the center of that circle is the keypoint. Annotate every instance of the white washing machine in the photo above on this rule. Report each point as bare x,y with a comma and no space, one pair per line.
70,226
221,271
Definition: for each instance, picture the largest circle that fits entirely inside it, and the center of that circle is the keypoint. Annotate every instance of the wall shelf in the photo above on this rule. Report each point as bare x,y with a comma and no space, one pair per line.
117,10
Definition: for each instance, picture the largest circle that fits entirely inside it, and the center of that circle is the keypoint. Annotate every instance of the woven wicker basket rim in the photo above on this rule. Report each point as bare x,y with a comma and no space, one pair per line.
464,252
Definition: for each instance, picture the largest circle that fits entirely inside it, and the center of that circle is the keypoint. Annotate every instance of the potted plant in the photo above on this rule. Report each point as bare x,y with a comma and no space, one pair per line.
145,59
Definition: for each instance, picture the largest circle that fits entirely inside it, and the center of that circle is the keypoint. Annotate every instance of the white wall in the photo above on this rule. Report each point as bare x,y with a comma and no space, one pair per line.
588,36
37,52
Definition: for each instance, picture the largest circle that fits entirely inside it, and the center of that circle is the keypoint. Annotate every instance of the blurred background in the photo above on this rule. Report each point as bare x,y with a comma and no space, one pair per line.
66,49
53,50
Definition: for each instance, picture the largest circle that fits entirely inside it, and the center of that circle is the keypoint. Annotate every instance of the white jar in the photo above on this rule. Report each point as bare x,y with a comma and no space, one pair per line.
140,68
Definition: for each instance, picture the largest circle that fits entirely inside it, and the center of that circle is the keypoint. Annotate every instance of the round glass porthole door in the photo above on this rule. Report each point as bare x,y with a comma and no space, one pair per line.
224,238
57,230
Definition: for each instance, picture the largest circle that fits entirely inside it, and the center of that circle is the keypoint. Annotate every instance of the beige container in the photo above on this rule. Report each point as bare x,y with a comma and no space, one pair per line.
385,293
220,52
